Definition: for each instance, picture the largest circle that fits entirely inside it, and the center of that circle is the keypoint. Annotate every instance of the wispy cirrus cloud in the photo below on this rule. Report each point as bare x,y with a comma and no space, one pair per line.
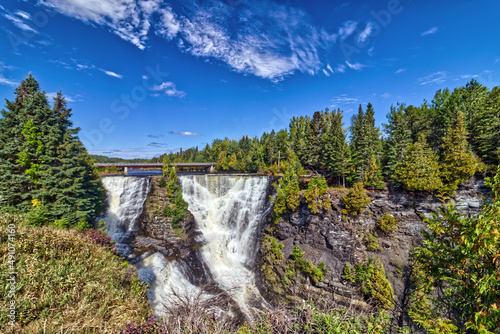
154,136
433,78
355,66
365,33
400,70
4,80
431,31
112,74
20,19
157,144
168,88
267,39
347,29
184,133
343,99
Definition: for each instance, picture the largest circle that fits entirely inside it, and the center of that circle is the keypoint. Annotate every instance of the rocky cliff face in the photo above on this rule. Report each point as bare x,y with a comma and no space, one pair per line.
337,239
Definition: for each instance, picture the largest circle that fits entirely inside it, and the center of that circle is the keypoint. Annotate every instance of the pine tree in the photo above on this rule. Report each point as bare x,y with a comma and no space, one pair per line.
420,169
457,161
40,150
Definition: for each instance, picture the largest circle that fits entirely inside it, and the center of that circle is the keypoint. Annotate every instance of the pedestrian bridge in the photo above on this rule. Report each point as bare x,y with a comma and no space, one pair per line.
180,166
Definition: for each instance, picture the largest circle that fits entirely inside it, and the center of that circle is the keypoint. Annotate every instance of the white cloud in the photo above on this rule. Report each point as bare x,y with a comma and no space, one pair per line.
365,33
20,19
386,96
497,60
24,15
144,77
185,133
329,68
6,82
347,29
326,72
400,70
340,68
433,78
112,74
169,89
355,66
275,40
129,19
343,99
468,76
430,31
370,51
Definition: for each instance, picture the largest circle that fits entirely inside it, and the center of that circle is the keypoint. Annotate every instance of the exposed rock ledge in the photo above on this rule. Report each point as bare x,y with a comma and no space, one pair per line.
335,240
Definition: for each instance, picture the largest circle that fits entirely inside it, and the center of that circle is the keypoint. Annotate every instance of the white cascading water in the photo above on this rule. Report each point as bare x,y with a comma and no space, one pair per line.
228,210
126,197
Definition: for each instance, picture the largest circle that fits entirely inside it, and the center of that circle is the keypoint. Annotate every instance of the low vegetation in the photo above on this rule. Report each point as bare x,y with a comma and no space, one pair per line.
387,223
176,208
314,195
356,200
67,281
373,282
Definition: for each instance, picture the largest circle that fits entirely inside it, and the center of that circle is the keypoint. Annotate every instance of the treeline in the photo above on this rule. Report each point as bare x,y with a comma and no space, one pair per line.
114,160
432,146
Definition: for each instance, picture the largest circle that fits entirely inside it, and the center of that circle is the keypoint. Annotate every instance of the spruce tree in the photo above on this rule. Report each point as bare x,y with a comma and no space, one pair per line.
457,161
43,165
398,139
488,128
336,149
365,141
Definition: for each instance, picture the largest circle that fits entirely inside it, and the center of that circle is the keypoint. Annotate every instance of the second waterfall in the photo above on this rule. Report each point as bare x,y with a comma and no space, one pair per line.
228,211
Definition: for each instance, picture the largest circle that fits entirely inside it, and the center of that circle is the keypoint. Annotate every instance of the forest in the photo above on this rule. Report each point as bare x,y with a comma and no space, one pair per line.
434,146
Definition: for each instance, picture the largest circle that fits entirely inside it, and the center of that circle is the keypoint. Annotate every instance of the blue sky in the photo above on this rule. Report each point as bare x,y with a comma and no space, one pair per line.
146,76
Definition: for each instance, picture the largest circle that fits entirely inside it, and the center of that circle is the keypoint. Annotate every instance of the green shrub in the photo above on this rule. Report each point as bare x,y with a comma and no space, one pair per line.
162,183
373,281
355,200
305,266
316,188
371,239
387,223
83,225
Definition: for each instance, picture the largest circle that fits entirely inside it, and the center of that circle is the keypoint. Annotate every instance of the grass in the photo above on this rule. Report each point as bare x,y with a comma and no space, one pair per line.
68,283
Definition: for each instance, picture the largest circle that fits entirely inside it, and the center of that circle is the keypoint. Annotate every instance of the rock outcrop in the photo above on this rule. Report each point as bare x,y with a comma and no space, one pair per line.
336,239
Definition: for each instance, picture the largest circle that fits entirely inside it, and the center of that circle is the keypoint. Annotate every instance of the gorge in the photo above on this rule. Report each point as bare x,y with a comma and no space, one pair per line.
221,245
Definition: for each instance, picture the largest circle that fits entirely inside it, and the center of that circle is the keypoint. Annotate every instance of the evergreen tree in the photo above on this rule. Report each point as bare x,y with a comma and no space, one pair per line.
420,169
313,140
398,138
457,162
43,165
336,149
488,128
365,141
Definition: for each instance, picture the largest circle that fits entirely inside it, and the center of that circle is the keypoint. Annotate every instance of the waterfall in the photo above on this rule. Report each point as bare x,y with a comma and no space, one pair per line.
126,197
228,210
